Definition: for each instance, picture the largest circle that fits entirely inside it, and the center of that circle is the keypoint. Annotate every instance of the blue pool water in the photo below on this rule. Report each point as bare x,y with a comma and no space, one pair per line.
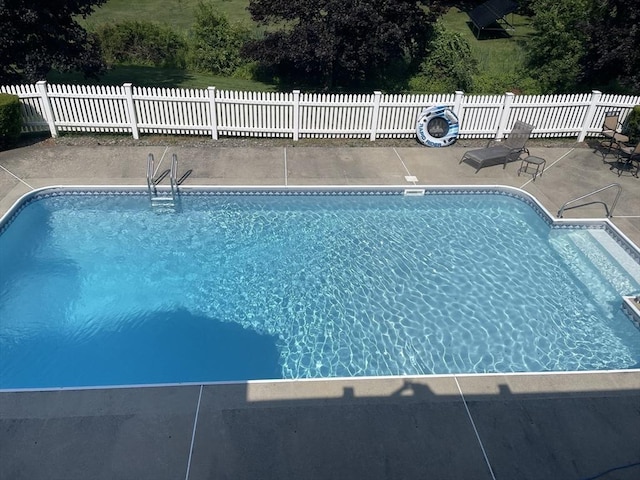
104,290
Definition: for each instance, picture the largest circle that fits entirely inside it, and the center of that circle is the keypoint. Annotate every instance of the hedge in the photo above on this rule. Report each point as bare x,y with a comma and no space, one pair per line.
632,125
10,120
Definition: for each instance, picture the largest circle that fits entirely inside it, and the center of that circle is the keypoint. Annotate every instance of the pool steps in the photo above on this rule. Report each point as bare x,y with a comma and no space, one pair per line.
613,249
570,250
600,252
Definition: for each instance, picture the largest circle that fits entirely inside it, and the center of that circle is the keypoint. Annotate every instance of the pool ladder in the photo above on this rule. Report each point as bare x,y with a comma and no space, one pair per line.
608,211
162,197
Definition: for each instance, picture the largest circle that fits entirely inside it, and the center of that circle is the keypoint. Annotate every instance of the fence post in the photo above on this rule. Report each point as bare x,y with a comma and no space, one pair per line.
374,115
588,116
133,119
46,104
457,106
504,115
214,112
296,115
457,103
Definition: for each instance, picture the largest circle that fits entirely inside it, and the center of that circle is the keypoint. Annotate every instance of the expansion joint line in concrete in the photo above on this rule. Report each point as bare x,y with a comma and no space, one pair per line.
548,167
403,164
193,433
16,177
286,178
473,424
160,162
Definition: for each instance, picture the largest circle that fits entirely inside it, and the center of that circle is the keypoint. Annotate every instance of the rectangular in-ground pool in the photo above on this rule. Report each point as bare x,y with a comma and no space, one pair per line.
99,288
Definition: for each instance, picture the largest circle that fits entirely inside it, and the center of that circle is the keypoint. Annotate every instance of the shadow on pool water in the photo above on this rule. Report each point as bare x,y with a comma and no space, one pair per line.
160,347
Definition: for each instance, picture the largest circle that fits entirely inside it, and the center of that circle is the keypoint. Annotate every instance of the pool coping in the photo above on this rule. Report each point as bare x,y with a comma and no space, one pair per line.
488,375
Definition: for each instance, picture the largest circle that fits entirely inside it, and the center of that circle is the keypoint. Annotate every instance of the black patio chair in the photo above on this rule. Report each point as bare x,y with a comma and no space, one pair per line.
505,151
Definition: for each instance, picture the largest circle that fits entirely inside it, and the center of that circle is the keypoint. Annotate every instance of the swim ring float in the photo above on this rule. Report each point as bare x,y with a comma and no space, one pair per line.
437,126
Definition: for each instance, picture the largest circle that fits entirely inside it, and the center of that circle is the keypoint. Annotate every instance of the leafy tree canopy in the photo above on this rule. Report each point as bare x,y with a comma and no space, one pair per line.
613,49
339,43
583,44
556,52
38,35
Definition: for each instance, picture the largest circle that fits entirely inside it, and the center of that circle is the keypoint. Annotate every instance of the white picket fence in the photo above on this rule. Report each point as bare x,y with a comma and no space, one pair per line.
216,113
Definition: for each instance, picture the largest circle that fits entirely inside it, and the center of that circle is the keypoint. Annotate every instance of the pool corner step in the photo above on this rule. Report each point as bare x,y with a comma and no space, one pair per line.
604,285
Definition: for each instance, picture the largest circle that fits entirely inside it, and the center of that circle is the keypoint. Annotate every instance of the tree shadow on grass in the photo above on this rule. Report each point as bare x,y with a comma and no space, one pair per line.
139,76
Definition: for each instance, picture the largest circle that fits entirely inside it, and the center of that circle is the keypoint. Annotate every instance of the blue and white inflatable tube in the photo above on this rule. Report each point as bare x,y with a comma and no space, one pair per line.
437,127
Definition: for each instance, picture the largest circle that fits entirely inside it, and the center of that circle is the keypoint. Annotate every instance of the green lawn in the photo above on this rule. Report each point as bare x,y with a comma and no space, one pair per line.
161,77
177,13
499,58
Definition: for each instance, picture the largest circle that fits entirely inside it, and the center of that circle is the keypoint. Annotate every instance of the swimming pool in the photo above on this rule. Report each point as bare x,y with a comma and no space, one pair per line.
99,288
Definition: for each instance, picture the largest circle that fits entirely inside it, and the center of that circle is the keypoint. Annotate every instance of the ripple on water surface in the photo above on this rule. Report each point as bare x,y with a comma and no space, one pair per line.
337,286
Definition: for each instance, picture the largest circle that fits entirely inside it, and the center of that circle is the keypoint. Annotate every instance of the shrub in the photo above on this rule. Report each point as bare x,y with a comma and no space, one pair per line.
10,119
141,43
631,126
214,43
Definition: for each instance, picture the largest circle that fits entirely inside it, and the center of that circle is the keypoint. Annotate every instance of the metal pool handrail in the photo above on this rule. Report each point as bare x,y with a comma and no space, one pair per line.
609,212
151,186
173,177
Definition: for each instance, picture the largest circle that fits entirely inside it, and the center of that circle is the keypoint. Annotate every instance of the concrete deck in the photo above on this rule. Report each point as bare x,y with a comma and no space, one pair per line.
464,426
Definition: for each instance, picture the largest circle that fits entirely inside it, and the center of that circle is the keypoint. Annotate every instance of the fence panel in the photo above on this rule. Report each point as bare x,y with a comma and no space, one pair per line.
173,111
481,116
215,112
552,115
88,108
260,114
336,116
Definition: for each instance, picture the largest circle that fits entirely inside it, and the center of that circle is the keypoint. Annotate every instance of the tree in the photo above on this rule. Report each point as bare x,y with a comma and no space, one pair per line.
215,44
449,64
613,47
39,35
555,53
339,43
582,44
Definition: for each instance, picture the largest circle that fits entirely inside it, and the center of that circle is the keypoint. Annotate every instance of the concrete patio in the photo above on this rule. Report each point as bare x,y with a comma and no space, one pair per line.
527,426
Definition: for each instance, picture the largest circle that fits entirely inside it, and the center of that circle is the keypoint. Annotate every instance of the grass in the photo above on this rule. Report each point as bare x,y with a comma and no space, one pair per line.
500,57
161,77
499,54
177,13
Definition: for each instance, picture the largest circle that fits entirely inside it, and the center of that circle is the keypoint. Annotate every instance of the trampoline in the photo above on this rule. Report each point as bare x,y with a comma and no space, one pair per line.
491,16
